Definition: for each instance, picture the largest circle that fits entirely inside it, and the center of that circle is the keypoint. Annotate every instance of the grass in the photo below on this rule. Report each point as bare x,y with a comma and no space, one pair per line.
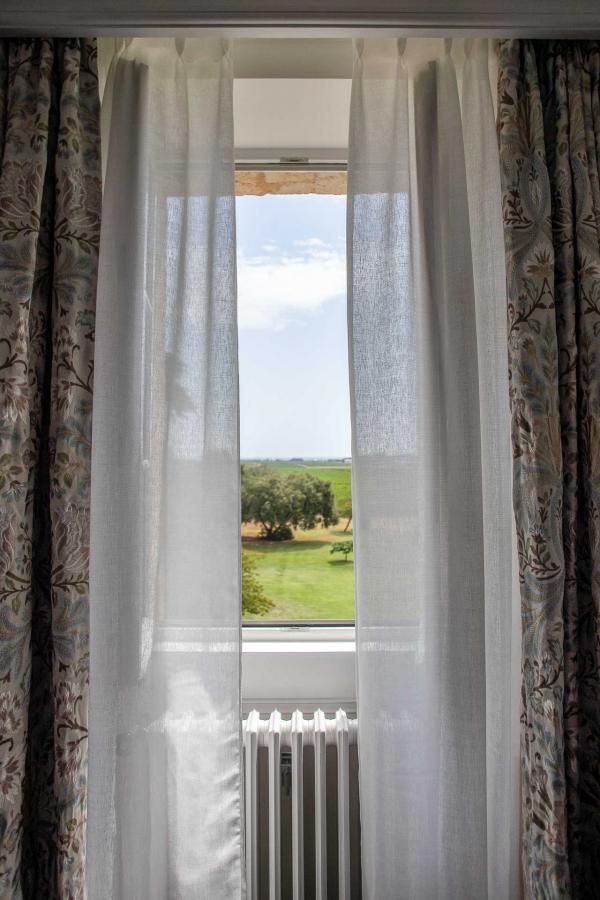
301,577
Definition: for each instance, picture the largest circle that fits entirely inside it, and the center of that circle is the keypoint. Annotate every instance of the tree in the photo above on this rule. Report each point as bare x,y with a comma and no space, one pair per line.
346,512
345,547
281,503
254,601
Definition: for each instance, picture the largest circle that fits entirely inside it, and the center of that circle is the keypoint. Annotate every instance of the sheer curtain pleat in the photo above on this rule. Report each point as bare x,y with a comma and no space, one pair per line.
164,799
502,593
438,653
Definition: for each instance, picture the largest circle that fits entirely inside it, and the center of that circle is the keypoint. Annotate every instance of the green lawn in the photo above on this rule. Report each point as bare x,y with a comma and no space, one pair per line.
301,577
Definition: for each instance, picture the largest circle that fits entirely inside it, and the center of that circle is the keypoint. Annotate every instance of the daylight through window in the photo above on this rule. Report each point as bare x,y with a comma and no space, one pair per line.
297,550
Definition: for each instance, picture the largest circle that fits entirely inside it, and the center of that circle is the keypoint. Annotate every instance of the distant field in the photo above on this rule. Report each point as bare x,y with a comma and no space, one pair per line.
301,577
335,471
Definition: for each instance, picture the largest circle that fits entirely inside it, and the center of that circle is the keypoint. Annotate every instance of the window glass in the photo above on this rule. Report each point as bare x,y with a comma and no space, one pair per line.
297,559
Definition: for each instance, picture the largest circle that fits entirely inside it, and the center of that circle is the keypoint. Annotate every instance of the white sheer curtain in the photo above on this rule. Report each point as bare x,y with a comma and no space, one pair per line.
164,790
437,611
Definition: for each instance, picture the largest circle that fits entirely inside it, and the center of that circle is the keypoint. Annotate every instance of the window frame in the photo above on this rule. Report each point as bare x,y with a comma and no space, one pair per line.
299,667
295,665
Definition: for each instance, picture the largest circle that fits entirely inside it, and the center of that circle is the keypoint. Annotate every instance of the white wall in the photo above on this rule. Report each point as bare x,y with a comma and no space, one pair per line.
297,116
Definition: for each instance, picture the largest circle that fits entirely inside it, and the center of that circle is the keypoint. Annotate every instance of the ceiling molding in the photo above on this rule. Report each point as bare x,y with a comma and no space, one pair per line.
307,18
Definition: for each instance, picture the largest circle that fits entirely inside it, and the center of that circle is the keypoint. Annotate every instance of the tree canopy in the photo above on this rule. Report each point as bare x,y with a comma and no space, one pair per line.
280,503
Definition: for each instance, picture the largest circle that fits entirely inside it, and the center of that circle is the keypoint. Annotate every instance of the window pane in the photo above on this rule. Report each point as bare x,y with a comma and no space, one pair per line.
294,408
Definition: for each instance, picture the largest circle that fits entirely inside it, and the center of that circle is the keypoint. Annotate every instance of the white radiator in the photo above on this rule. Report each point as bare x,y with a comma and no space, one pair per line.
277,735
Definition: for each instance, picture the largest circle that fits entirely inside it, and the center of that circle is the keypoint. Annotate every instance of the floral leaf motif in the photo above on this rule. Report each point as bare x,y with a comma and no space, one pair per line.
548,128
50,190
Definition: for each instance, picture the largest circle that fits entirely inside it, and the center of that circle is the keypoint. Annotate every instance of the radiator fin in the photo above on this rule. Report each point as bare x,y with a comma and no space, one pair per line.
298,805
251,731
320,806
343,763
274,747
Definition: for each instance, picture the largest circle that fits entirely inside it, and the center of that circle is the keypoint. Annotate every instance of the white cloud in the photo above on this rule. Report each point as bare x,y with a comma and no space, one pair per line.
310,242
274,289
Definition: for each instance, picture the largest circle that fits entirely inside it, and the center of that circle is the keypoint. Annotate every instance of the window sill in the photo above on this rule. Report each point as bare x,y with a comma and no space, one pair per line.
298,667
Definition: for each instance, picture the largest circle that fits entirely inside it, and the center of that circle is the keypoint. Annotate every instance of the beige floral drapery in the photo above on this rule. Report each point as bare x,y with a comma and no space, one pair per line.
50,189
549,133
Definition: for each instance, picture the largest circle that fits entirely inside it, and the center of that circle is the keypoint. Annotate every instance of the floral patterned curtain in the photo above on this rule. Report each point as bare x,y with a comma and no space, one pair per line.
50,188
549,134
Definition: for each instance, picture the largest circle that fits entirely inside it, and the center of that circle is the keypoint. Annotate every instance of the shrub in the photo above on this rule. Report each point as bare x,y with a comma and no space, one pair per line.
254,601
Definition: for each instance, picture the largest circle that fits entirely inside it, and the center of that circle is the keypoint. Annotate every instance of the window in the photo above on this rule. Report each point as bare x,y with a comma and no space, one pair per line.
297,560
292,113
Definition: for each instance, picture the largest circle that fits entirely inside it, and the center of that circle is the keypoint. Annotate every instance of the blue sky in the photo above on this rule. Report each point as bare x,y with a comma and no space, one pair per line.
294,398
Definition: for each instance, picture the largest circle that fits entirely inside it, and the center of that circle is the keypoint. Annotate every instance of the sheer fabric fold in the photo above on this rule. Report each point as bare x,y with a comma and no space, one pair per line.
437,610
164,798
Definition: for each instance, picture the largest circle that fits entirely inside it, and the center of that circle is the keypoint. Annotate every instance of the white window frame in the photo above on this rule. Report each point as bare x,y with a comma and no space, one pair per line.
306,667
